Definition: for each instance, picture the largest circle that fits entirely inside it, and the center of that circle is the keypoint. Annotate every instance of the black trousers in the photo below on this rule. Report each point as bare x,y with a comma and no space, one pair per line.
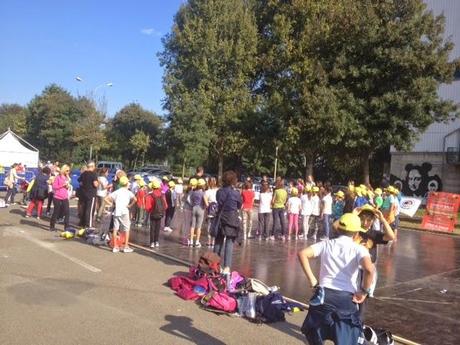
88,207
169,215
264,223
61,208
155,225
50,199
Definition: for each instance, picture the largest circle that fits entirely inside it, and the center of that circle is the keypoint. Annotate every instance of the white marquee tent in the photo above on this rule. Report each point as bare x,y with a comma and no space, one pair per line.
14,149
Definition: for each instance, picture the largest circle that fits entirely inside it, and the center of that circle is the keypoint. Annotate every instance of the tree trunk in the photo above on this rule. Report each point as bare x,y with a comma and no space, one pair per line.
309,160
220,166
365,167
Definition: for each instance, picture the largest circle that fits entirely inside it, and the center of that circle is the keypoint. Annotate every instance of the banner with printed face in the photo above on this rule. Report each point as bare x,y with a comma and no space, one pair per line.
409,205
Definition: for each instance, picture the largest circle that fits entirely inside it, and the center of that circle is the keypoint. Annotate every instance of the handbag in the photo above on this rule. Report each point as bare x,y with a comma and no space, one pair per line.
215,222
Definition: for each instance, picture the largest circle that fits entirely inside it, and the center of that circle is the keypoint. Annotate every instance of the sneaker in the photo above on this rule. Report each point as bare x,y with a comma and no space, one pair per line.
152,245
7,205
271,238
115,250
38,218
189,243
27,216
157,244
197,245
128,250
300,237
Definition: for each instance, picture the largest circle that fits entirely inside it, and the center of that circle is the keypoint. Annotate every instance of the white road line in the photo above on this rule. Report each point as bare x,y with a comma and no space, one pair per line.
51,247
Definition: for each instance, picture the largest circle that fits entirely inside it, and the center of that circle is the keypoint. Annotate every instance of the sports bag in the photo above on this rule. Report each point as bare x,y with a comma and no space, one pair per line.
377,336
220,301
158,210
270,307
209,263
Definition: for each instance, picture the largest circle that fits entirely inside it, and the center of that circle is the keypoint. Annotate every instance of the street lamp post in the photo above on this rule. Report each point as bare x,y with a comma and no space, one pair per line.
276,163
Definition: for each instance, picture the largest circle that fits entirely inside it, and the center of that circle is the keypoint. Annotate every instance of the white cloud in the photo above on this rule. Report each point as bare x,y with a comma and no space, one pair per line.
150,32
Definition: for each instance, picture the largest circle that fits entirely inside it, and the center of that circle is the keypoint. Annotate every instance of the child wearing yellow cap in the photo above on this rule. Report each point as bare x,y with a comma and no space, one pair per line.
293,205
170,197
124,199
140,195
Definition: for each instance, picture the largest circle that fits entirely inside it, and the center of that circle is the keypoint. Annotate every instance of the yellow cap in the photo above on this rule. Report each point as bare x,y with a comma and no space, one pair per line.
363,187
193,182
171,184
340,194
378,191
138,177
141,183
165,178
294,191
155,184
308,188
315,189
370,193
124,181
350,222
368,207
201,182
359,191
395,191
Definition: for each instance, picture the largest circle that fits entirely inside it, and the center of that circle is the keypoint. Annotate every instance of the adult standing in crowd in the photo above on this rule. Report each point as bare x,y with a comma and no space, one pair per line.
279,200
102,188
211,198
265,210
326,212
247,196
61,186
10,183
229,201
88,192
39,192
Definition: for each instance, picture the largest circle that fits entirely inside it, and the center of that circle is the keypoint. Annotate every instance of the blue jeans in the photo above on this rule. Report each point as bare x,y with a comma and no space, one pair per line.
224,251
278,214
326,225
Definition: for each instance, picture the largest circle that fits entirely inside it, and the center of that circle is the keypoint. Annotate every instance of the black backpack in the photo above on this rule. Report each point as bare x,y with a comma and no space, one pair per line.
158,210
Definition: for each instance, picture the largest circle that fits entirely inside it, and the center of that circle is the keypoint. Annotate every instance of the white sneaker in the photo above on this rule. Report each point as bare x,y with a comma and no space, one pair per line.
152,245
115,250
197,245
157,244
128,250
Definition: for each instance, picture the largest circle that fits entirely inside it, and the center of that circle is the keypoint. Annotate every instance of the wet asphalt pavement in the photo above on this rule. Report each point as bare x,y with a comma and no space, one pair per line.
418,289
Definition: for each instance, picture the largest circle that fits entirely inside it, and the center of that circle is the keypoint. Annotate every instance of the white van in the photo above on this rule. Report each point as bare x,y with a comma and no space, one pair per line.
112,166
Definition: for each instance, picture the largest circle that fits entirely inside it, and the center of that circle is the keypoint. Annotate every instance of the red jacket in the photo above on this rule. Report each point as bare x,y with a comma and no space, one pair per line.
140,196
150,200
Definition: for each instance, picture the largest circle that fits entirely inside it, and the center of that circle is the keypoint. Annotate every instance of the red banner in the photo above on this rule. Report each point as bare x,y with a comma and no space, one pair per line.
441,212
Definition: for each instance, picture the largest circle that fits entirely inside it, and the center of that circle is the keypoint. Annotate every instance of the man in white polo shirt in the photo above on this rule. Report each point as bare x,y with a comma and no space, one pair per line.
333,313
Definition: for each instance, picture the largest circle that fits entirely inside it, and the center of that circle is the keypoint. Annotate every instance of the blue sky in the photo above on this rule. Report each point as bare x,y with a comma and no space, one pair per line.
101,41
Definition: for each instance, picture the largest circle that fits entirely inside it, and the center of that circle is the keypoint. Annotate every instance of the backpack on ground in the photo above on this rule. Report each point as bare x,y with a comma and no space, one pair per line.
270,307
377,336
219,301
158,210
209,263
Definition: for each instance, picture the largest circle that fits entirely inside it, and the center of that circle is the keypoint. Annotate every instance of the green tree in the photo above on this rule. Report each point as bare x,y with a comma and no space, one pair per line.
126,123
140,143
388,58
209,59
13,116
51,120
89,133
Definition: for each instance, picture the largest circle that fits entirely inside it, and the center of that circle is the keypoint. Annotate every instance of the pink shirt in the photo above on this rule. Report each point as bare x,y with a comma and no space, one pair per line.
60,188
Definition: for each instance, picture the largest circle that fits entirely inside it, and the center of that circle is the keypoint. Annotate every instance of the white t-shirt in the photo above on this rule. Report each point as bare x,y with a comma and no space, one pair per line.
340,262
307,206
294,204
327,204
121,197
210,194
315,205
179,188
101,188
265,202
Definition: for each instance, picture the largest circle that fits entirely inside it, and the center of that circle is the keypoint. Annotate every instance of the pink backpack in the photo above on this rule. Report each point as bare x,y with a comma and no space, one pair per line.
220,301
184,287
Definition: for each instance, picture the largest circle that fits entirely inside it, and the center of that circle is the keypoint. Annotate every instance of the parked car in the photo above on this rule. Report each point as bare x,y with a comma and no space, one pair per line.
112,166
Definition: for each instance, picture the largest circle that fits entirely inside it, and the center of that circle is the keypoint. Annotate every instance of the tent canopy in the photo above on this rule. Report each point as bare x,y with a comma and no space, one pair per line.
14,149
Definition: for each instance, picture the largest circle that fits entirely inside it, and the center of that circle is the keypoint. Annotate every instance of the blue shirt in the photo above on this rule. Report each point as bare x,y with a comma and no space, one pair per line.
230,197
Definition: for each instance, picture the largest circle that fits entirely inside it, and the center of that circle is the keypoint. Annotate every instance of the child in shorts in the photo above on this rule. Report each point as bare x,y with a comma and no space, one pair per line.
124,199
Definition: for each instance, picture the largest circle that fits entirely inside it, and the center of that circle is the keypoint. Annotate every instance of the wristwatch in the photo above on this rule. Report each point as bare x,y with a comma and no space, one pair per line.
366,291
